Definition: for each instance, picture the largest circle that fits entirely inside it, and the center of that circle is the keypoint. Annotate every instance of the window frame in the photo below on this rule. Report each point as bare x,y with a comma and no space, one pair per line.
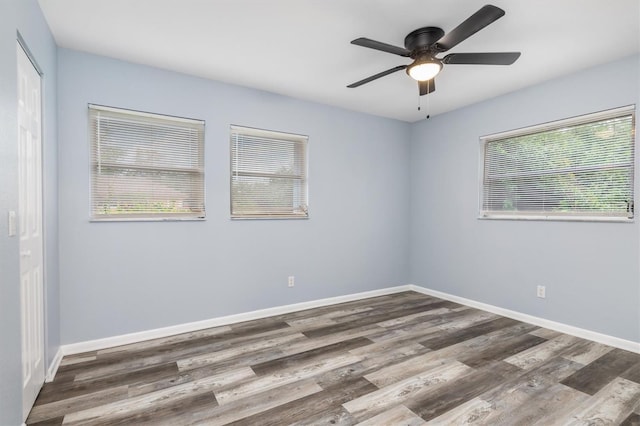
146,217
575,216
303,140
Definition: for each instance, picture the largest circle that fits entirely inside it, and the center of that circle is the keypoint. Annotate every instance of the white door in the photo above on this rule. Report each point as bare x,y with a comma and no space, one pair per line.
30,225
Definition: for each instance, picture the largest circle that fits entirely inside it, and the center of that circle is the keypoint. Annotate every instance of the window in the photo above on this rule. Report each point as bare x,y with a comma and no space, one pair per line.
145,166
268,174
579,168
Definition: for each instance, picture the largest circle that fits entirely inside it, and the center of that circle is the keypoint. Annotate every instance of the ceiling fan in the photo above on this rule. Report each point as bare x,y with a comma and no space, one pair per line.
423,44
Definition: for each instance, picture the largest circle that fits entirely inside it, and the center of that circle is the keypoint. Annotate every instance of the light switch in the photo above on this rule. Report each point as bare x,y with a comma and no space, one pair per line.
12,223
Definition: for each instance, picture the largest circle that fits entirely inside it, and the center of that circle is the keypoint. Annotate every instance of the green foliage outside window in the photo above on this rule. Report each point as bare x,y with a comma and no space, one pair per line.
584,169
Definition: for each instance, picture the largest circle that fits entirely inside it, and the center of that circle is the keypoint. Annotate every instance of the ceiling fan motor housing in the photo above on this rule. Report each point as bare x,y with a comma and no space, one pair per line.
422,39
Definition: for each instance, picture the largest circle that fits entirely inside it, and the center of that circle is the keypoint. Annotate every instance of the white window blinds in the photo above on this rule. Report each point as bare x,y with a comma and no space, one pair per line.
145,166
268,174
581,167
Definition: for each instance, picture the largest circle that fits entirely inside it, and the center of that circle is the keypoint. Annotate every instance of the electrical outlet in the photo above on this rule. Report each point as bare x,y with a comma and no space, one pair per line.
542,292
292,281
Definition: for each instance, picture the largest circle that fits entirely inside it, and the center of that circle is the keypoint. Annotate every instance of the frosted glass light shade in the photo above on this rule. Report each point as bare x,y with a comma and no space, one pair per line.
424,71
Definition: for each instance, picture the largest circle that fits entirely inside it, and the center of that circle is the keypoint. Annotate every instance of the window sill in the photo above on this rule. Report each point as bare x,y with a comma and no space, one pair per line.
268,217
148,219
559,218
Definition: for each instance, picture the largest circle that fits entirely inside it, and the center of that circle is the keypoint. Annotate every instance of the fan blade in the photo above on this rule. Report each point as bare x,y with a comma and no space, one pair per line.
378,45
497,58
483,17
427,86
377,76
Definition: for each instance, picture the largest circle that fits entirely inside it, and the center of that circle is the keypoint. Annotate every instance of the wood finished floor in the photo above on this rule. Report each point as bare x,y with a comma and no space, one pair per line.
401,359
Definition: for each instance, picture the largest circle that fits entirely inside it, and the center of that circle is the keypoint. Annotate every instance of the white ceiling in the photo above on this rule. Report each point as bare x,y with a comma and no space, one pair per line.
301,48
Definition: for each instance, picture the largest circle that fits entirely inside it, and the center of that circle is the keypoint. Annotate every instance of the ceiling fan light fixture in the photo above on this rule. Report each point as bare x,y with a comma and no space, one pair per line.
424,69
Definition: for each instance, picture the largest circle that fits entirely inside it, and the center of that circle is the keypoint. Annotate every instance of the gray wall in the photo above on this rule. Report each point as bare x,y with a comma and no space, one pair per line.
24,16
591,270
126,277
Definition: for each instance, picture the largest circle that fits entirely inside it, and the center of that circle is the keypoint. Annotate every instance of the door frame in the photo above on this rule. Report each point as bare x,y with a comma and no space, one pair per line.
31,57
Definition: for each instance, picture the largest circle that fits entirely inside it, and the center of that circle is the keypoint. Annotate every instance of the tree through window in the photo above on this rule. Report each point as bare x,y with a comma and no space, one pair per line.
581,167
145,166
268,174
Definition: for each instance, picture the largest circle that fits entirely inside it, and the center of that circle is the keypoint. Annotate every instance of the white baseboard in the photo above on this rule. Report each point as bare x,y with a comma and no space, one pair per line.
557,326
109,342
53,367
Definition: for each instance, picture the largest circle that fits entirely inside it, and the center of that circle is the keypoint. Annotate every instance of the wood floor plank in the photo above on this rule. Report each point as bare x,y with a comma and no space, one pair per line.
164,341
484,342
108,365
411,366
545,333
165,414
229,374
600,372
49,422
418,317
534,380
314,405
465,388
377,317
632,373
632,420
289,361
85,401
398,415
502,350
77,360
463,349
403,358
307,324
151,401
260,326
370,362
473,412
557,403
214,357
372,303
336,416
329,318
434,326
290,375
51,392
546,350
387,354
610,405
308,344
586,352
138,389
544,407
442,340
397,393
255,404
525,397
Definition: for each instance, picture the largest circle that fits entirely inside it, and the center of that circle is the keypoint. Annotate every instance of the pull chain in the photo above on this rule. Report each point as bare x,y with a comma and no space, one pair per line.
420,100
428,82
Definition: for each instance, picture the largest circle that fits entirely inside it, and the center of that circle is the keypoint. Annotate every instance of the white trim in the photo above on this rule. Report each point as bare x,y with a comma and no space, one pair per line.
146,114
53,367
124,339
611,219
108,342
565,122
553,325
